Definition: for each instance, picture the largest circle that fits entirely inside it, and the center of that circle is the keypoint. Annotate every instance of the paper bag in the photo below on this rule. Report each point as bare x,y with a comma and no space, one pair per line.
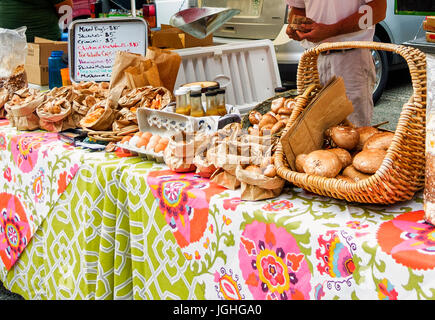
256,187
329,108
225,179
168,63
131,71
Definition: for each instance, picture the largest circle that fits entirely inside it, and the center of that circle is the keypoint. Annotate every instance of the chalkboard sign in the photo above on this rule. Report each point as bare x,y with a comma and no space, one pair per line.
415,7
93,44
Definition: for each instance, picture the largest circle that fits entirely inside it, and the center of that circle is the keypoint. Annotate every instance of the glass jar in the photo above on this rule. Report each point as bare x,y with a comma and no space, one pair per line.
210,104
220,102
196,108
182,107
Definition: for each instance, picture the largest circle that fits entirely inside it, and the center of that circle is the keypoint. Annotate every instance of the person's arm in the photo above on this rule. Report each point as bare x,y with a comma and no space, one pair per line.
319,31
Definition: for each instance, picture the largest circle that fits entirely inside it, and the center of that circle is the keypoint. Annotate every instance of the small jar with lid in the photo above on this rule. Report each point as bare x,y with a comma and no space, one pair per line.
220,102
196,108
210,104
181,104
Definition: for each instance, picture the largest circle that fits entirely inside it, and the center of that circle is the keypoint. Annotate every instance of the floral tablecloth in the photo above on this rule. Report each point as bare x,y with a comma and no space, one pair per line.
129,229
35,169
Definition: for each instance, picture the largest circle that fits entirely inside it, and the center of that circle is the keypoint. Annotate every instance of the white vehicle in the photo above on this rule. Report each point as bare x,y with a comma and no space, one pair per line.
261,19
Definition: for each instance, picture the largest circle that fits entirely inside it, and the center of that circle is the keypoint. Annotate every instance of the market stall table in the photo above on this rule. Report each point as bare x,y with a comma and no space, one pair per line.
131,229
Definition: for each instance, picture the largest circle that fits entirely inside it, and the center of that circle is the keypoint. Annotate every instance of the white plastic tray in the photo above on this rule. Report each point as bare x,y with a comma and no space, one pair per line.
250,69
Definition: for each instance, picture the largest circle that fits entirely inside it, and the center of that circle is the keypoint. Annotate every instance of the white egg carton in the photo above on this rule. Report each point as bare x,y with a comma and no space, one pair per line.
141,152
166,122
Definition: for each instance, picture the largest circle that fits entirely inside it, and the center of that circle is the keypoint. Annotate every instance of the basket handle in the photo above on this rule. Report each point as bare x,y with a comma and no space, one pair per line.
308,72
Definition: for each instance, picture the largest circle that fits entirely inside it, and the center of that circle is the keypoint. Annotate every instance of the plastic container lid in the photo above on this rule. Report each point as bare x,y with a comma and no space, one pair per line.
210,93
56,53
184,90
220,91
179,92
213,88
195,94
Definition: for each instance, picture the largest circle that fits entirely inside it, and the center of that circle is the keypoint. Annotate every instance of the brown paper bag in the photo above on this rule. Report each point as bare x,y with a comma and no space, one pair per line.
256,187
104,121
131,71
23,116
56,122
4,97
330,107
225,179
168,63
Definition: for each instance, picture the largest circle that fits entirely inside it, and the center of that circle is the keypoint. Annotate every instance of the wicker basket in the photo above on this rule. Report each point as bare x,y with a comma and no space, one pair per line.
265,106
402,172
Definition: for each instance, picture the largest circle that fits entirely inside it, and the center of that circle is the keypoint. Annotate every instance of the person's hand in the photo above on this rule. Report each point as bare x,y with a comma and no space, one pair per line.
292,33
317,32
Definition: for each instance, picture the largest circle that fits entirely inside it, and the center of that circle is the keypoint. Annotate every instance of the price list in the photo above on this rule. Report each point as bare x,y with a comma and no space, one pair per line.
96,45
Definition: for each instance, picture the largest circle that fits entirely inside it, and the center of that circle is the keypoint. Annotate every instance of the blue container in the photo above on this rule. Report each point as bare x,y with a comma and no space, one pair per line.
55,64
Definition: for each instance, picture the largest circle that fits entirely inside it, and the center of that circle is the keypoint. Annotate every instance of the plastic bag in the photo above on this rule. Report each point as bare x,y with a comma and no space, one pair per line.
13,51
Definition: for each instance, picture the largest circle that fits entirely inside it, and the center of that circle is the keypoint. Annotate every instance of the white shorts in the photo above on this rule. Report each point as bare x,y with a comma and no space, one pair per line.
357,69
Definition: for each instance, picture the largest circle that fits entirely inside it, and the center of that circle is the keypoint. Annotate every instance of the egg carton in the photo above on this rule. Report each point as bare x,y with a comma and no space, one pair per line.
166,122
141,152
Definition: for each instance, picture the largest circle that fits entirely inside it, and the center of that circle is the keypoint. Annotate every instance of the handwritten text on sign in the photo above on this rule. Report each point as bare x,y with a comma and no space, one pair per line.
96,45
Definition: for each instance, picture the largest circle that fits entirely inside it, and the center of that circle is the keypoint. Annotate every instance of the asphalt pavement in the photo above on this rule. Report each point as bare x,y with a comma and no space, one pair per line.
396,94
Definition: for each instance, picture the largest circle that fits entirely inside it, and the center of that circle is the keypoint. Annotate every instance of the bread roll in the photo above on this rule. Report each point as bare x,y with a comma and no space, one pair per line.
267,119
277,127
343,155
369,160
254,169
354,174
322,163
277,104
380,140
270,171
255,117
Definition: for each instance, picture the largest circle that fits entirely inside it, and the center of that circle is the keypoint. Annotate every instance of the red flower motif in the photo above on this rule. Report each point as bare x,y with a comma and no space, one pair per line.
62,182
278,205
7,174
231,204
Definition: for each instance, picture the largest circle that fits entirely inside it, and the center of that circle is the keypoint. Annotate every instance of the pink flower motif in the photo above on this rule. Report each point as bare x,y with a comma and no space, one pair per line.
74,170
278,205
272,265
7,174
25,148
231,204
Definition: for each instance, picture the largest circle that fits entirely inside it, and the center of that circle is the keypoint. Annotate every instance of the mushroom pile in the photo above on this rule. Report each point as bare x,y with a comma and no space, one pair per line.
350,154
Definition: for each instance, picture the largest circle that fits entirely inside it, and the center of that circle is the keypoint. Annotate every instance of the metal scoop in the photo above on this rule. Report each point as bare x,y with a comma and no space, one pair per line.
201,22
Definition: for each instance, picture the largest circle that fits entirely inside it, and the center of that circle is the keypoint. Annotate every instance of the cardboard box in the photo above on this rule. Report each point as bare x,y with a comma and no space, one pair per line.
39,51
428,27
430,37
174,38
37,74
